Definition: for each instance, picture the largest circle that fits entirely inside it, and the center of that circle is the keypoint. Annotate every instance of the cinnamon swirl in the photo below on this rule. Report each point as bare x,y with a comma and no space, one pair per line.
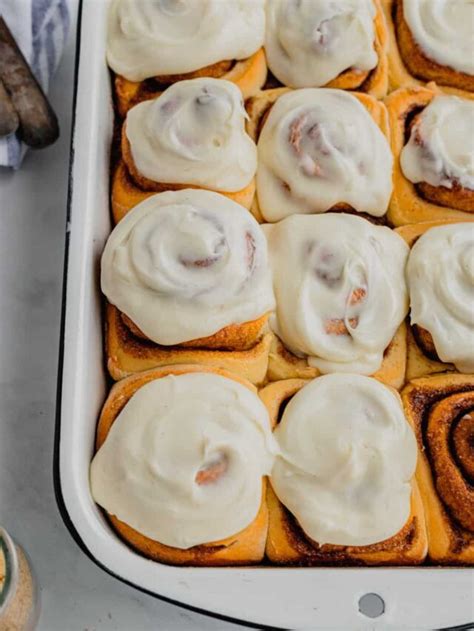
320,149
341,296
441,409
193,135
153,44
199,444
338,44
186,270
342,486
433,147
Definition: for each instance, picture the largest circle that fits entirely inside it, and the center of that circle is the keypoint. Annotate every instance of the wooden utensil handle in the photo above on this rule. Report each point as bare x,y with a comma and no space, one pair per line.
8,117
38,123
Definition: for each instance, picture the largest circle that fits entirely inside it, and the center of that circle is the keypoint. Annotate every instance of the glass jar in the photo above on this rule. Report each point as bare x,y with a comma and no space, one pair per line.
19,596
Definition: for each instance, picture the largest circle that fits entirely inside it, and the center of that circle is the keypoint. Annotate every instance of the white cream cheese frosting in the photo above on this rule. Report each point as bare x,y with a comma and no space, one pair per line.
148,38
194,133
347,459
184,460
444,30
440,150
310,42
185,264
440,275
340,289
320,147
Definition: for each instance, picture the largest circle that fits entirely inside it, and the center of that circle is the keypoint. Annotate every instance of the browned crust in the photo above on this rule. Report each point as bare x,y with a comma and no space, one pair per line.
282,364
398,73
258,109
425,341
249,74
421,66
128,354
457,196
408,205
375,81
422,358
216,71
245,547
130,187
287,544
234,337
449,542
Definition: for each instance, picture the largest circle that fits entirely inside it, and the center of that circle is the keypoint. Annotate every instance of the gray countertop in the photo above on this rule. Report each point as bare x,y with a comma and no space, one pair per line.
76,595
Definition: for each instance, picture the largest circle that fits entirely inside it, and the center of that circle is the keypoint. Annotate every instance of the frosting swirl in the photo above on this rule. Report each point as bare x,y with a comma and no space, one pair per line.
194,133
440,274
310,43
185,264
441,146
147,38
444,30
184,460
346,462
318,148
340,289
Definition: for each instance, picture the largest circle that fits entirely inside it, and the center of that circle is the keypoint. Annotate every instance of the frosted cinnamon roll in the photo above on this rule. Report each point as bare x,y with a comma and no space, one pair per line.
433,150
151,43
340,290
336,450
183,266
319,149
192,135
342,485
440,275
435,40
181,457
310,44
439,155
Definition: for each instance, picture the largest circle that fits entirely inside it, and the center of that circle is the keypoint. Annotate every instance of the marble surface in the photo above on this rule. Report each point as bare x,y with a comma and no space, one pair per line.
76,595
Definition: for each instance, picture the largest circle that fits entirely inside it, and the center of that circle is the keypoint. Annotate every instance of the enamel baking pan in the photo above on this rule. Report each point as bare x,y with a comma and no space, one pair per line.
296,598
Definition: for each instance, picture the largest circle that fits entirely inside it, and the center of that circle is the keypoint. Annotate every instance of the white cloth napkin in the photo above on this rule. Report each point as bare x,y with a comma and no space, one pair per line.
40,28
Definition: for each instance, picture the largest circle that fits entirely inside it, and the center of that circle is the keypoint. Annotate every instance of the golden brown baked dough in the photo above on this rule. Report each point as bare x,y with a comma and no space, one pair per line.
249,74
441,409
282,364
244,548
422,358
240,348
412,203
259,106
130,187
287,544
408,66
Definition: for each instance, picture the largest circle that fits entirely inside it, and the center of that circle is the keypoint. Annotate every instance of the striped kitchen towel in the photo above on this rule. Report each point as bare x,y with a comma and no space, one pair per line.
40,28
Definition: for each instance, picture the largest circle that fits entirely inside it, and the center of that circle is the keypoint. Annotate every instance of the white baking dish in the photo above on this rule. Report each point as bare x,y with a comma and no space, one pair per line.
421,598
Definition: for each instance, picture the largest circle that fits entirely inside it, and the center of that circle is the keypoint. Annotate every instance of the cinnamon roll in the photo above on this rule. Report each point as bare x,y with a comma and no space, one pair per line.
433,147
341,296
187,271
431,41
441,409
321,149
440,275
180,465
193,135
338,44
342,485
154,44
